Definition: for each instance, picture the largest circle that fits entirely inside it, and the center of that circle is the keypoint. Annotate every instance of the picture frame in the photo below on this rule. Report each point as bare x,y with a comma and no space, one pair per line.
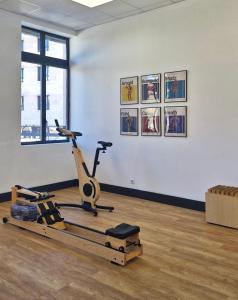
175,121
151,121
129,121
175,86
129,93
151,88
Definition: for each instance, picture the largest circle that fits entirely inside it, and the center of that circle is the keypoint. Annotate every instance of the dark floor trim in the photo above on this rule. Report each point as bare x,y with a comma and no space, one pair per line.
56,186
45,188
166,199
5,197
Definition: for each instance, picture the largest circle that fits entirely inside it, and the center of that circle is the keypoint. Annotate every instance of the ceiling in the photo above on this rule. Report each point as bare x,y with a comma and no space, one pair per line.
77,17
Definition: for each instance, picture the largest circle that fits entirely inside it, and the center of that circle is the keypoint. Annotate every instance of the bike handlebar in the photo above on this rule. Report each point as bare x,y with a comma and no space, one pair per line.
66,132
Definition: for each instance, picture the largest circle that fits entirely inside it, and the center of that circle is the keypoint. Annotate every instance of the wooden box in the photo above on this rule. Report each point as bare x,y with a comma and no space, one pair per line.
222,206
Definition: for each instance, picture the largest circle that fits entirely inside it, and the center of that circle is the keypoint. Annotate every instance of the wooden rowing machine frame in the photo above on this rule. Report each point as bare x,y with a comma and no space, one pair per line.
116,250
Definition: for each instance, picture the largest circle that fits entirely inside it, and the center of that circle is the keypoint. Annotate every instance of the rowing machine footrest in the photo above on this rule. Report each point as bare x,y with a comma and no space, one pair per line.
50,213
122,231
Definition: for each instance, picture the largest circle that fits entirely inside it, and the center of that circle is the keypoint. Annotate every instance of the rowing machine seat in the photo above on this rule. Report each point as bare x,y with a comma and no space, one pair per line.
122,231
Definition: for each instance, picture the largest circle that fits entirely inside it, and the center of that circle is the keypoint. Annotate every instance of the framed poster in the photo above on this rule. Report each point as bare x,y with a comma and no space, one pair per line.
129,121
151,88
175,121
151,121
129,90
175,86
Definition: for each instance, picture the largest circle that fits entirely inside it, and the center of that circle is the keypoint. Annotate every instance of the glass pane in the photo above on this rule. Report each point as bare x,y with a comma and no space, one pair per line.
30,41
55,47
30,102
56,101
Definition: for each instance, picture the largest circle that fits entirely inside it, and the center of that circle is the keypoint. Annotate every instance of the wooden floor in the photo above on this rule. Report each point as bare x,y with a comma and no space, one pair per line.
184,258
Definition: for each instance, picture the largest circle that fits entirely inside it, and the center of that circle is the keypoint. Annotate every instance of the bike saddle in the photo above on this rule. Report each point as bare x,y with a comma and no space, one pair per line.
105,144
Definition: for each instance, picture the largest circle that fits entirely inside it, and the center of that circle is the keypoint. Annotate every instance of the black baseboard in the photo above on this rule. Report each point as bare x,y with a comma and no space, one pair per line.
44,188
166,199
56,186
5,197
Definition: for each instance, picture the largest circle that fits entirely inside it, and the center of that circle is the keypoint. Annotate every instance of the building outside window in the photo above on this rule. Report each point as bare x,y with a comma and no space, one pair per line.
48,102
22,74
38,102
45,86
47,74
22,45
22,103
39,73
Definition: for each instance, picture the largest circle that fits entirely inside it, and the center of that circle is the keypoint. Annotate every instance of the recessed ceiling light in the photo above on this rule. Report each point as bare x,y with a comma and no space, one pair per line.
92,3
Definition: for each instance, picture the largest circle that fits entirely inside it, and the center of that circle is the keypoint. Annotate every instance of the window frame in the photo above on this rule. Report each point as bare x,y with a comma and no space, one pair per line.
44,61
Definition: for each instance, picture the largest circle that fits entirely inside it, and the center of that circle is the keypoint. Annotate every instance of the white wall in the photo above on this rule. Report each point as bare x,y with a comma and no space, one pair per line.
24,165
198,35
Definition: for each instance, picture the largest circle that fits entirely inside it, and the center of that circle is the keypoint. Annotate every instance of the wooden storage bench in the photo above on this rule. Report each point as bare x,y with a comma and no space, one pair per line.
222,206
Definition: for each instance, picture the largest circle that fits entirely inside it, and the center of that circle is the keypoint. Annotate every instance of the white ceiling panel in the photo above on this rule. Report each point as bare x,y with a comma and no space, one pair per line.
157,5
127,14
95,16
64,6
116,8
76,16
99,22
144,3
19,6
76,24
56,17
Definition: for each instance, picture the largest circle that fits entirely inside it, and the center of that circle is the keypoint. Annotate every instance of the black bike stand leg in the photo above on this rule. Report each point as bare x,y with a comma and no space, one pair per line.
110,208
58,205
89,208
83,206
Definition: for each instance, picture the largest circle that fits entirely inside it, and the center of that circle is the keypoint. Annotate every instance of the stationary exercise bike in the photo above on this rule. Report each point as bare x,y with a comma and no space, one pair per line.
89,188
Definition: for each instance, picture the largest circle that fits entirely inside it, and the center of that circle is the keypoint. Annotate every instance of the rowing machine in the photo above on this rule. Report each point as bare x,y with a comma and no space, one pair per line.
118,245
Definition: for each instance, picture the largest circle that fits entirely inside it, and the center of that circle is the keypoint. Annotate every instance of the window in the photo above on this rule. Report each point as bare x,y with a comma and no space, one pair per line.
22,103
30,40
46,45
22,45
38,73
55,47
38,45
22,74
38,102
45,86
48,102
47,75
